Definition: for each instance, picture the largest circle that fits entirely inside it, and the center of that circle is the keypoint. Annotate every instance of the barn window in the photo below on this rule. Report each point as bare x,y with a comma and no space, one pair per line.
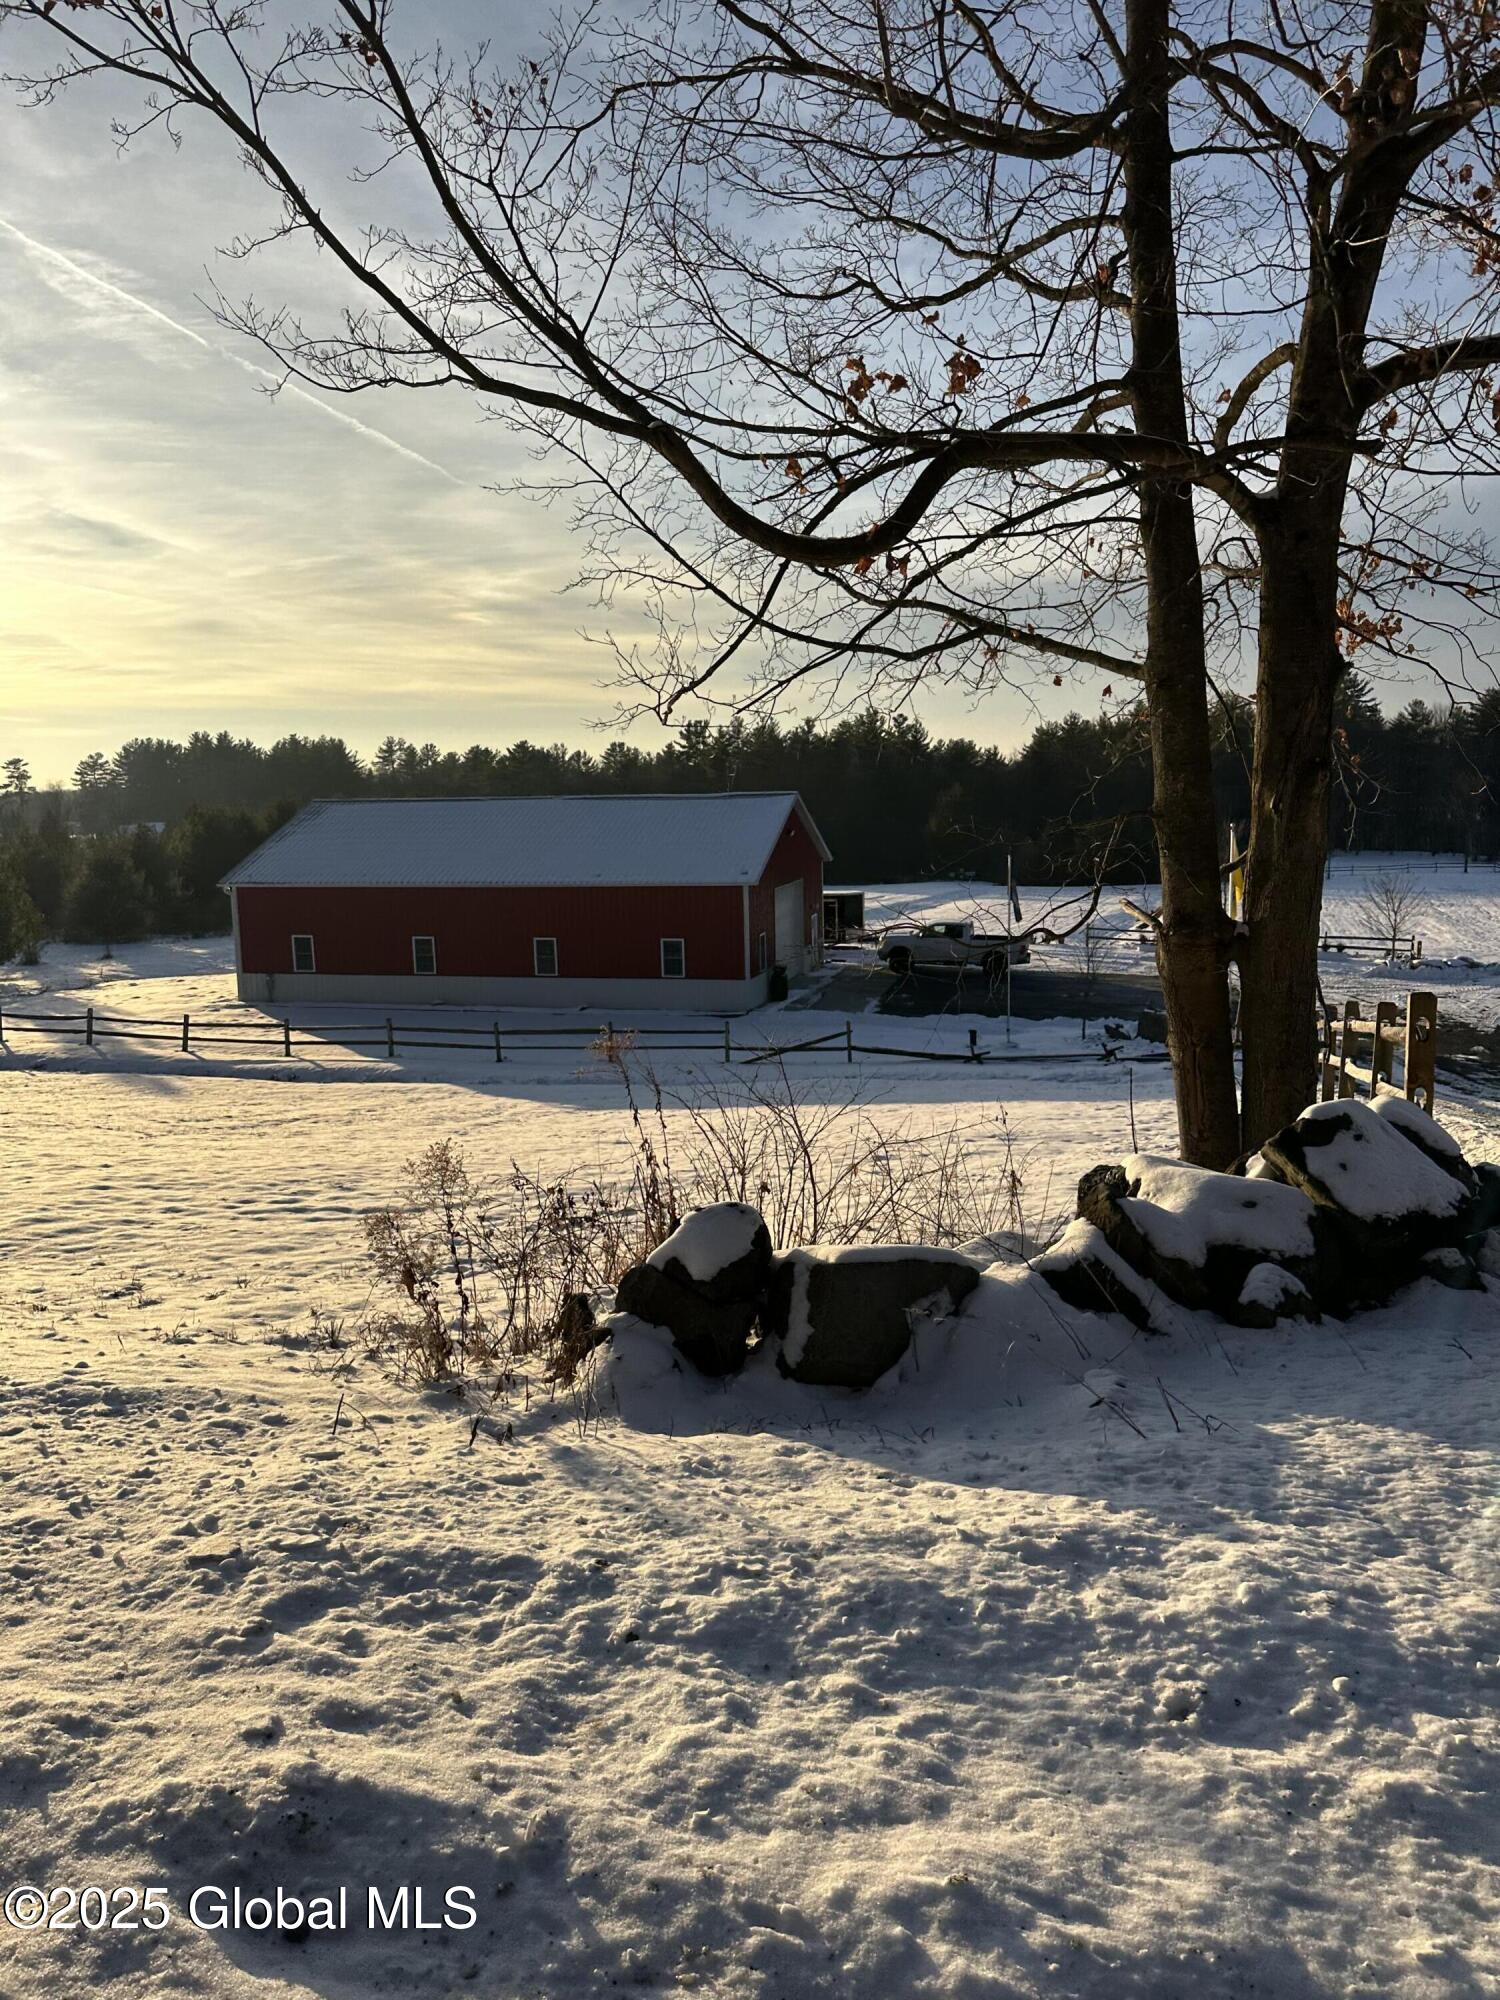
302,952
673,958
424,955
544,957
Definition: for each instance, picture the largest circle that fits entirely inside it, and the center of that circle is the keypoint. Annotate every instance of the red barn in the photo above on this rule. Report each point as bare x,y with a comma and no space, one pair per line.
674,900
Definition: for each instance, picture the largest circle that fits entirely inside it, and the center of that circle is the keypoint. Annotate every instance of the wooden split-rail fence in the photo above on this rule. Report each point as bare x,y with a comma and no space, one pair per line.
1365,944
488,1041
1362,1053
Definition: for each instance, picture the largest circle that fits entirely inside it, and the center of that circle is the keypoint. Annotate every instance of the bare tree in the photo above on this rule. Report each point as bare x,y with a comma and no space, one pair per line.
1093,944
1391,906
890,342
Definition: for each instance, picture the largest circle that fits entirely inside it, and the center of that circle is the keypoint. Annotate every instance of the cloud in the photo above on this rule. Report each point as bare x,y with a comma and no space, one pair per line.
57,532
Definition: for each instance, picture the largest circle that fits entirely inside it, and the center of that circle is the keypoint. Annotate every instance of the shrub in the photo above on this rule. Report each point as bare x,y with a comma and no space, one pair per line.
487,1276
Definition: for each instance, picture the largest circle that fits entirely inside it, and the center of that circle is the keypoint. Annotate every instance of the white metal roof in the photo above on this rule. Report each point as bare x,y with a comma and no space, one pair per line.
678,839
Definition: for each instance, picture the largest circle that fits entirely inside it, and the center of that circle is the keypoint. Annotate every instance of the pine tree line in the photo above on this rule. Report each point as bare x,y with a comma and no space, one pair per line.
141,841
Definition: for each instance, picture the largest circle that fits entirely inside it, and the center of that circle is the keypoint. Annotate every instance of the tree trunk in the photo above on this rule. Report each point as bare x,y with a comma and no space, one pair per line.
1350,221
1193,943
1299,668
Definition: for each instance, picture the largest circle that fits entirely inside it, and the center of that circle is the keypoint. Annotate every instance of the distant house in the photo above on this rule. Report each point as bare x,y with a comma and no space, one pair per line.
682,900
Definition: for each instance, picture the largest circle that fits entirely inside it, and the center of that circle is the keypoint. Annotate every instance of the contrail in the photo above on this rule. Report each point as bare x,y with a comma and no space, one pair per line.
131,303
128,299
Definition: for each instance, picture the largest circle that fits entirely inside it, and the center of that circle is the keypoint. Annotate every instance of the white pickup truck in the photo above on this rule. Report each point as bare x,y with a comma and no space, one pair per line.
950,947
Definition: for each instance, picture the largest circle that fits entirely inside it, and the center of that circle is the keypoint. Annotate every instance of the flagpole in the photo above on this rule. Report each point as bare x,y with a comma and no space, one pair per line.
1010,907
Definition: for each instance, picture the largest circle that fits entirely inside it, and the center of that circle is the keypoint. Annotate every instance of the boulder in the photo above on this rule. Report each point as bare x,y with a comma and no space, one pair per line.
1485,1213
1454,1268
1270,1294
1350,1156
715,1338
704,1284
1199,1235
723,1252
843,1316
1425,1133
1087,1275
1383,1200
1486,1252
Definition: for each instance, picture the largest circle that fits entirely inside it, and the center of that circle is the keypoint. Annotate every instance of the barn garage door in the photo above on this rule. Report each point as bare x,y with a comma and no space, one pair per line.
789,926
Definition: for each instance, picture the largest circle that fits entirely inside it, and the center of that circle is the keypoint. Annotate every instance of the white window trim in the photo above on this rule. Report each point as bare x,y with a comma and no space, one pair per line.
312,952
681,944
423,937
536,965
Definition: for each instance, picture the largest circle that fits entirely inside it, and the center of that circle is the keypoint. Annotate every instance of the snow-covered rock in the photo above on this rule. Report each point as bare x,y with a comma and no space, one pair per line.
704,1284
1453,1268
1425,1133
1199,1235
1270,1294
1352,1157
1485,1213
1383,1198
722,1251
1088,1275
843,1316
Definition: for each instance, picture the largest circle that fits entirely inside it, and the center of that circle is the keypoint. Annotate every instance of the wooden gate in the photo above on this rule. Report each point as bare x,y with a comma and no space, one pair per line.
1350,1068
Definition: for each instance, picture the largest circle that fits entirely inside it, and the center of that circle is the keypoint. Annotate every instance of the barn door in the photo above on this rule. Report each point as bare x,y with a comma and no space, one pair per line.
789,925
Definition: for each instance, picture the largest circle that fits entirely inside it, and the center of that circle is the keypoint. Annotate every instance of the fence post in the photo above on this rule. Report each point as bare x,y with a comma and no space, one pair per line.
88,1028
1351,1015
286,1036
390,1040
1383,1057
1420,1053
848,1041
973,1045
184,1034
728,1045
498,1056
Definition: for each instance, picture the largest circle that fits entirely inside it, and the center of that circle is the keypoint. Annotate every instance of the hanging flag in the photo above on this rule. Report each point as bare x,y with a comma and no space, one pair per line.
1235,879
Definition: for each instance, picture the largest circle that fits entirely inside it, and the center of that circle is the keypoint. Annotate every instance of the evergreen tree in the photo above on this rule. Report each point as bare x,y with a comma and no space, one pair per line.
20,920
110,902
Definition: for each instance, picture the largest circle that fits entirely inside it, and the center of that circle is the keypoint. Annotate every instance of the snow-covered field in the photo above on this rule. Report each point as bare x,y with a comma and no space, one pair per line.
1169,1669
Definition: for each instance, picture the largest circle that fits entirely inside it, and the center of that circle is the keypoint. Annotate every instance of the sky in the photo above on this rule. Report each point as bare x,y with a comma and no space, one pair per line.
179,550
